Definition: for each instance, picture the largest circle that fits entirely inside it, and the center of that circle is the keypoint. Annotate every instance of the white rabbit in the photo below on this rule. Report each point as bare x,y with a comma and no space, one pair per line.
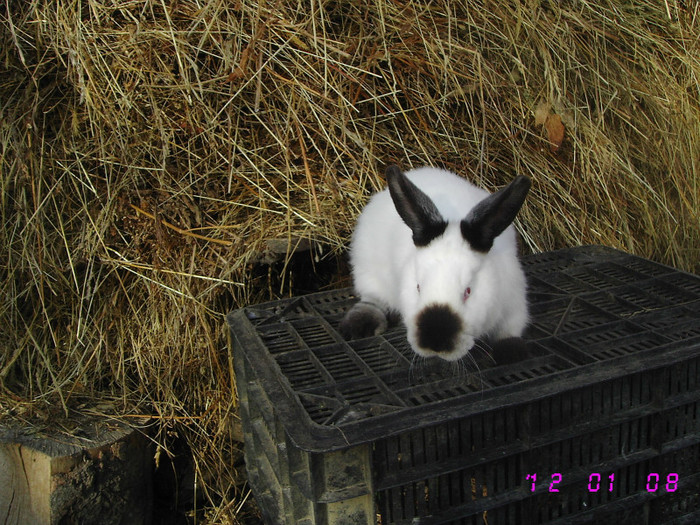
443,255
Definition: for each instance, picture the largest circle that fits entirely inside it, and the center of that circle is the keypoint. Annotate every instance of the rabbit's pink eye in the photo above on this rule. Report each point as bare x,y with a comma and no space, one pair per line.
467,293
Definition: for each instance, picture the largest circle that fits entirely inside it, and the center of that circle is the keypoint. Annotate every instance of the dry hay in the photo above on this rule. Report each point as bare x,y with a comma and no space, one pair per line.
150,150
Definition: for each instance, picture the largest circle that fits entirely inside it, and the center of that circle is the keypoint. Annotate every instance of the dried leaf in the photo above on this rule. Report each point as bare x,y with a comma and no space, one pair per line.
555,132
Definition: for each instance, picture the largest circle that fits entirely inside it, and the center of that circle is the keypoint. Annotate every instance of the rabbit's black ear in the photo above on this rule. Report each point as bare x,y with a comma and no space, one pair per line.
491,216
415,208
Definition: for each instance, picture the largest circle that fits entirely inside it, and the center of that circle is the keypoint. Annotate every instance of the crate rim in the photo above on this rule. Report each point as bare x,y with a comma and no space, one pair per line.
314,437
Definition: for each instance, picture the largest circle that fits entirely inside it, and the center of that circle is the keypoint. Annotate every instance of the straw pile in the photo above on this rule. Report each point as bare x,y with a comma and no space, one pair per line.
151,150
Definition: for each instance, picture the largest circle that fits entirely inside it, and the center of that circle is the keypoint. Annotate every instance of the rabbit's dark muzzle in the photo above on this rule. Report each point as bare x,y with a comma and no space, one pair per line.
438,328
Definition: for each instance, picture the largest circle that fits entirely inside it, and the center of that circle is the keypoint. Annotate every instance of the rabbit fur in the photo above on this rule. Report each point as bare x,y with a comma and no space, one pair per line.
442,253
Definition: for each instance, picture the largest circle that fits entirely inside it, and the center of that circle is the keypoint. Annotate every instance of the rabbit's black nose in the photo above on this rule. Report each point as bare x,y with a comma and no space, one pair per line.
437,328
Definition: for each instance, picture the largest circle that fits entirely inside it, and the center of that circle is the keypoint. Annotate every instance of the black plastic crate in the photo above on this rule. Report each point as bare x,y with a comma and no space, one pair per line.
602,406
